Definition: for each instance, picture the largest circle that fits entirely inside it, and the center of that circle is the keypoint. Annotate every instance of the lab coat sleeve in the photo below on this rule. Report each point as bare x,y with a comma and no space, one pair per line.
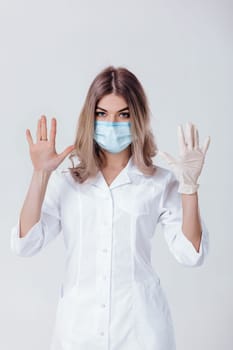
46,229
171,221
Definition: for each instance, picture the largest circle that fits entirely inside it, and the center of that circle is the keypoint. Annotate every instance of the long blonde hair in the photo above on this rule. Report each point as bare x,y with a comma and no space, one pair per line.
121,82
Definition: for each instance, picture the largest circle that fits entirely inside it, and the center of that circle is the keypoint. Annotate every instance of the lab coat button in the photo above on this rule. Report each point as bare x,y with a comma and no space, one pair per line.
104,250
103,305
101,333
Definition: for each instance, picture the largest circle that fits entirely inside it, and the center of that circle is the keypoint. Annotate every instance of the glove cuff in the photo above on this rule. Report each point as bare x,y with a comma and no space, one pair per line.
187,189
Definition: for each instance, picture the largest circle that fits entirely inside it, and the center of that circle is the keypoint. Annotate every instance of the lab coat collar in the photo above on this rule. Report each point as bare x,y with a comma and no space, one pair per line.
129,174
126,175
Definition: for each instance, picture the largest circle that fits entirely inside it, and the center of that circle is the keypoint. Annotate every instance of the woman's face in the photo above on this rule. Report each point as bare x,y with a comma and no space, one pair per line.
112,108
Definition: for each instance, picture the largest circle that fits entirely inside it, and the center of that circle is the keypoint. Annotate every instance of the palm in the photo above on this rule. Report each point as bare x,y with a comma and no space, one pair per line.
43,153
189,164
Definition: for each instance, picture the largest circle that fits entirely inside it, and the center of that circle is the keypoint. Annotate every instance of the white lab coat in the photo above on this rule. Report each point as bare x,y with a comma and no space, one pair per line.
111,297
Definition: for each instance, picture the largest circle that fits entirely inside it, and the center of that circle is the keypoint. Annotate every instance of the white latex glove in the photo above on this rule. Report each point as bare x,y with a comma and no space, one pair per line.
188,166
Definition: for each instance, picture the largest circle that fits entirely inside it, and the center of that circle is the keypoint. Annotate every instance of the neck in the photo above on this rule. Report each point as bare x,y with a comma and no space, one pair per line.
117,160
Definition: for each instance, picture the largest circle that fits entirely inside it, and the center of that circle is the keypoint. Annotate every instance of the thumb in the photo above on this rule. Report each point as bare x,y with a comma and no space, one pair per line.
206,145
170,159
66,152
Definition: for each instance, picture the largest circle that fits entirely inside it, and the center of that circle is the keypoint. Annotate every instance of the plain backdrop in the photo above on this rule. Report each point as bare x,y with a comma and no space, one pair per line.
182,52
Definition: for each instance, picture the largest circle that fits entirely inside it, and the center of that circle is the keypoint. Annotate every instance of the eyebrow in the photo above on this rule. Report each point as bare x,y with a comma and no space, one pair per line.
118,111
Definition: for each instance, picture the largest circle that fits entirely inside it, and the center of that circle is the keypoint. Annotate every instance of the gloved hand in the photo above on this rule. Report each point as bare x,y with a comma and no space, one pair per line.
188,166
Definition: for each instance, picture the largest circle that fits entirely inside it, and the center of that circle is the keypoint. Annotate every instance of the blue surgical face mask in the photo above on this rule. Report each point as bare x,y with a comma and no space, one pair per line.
112,136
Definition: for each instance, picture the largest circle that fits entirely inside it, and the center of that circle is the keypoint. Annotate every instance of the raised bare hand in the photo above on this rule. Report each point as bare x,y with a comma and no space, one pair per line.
43,153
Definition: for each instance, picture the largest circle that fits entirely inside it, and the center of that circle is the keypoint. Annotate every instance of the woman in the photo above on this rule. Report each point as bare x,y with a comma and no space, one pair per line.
107,206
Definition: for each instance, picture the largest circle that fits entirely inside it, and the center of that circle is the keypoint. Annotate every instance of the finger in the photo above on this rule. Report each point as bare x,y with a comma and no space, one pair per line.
205,145
170,159
189,136
53,130
29,137
181,139
43,128
38,133
196,138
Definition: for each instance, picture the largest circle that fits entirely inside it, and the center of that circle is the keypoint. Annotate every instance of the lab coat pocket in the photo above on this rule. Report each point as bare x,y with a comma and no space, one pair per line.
136,203
65,313
152,318
134,208
76,317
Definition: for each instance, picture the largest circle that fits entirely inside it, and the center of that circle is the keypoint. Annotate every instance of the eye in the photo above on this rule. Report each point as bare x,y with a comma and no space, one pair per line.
99,114
126,115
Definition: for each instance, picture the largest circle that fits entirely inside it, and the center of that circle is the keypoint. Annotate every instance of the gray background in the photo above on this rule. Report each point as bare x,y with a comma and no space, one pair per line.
181,51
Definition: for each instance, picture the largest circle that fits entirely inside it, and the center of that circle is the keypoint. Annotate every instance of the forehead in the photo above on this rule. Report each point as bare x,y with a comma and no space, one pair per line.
112,102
